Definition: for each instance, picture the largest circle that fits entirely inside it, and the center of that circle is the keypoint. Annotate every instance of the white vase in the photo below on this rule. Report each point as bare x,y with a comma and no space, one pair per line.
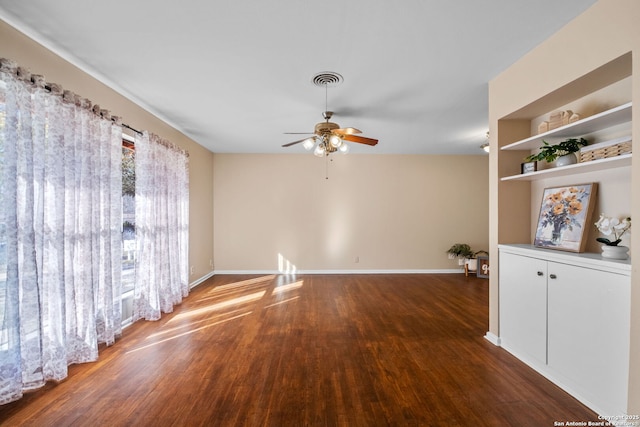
472,264
566,160
615,252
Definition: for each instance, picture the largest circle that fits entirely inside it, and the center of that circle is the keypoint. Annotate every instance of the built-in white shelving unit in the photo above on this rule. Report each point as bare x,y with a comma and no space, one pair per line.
552,303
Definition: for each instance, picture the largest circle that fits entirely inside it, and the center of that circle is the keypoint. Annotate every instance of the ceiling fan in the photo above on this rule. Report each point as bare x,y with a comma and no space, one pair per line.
329,137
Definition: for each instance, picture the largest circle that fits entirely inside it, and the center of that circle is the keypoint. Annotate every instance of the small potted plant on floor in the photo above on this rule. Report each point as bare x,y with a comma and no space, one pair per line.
561,154
465,255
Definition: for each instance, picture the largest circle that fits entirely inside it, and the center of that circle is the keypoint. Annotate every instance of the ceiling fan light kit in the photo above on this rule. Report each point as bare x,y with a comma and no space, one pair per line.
309,143
335,141
486,145
329,137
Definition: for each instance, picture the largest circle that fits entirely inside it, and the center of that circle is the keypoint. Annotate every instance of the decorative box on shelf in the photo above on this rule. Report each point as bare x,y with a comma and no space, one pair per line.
558,119
606,149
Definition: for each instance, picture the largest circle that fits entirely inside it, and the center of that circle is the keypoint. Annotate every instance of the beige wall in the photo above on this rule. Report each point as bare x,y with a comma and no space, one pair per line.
392,212
14,45
606,31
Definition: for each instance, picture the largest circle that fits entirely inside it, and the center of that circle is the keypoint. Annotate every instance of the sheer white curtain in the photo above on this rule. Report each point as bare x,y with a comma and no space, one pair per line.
60,222
162,227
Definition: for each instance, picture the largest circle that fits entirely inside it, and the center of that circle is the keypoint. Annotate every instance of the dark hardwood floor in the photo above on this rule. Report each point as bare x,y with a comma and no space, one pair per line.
311,350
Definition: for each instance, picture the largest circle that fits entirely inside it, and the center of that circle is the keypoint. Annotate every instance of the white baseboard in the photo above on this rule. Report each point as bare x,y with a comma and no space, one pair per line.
492,338
435,271
200,280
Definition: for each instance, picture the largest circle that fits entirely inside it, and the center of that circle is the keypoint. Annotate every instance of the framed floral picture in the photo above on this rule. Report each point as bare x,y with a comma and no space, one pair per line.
565,212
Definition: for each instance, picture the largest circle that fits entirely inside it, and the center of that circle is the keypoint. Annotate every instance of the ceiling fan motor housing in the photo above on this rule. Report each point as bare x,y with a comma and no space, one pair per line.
325,127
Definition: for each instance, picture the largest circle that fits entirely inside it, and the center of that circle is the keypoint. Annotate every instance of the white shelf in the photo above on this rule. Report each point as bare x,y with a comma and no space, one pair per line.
606,119
592,166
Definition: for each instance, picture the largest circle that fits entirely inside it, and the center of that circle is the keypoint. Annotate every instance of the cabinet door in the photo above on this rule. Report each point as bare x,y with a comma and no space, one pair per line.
588,345
523,307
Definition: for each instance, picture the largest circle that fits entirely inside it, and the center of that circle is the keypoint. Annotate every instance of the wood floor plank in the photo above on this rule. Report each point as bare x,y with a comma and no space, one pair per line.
308,350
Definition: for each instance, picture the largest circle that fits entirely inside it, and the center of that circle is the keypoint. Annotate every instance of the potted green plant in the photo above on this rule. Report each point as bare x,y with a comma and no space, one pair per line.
562,153
465,255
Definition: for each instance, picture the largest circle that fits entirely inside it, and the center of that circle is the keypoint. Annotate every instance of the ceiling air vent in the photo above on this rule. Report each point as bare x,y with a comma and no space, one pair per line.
327,79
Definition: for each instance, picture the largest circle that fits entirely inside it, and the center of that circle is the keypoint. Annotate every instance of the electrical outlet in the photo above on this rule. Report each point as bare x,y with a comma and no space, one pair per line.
191,270
357,260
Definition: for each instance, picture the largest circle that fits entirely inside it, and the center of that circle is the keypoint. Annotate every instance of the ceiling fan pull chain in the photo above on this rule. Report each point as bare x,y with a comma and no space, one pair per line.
326,166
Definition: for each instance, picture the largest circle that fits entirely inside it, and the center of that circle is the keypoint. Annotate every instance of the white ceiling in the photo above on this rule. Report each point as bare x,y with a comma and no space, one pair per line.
235,75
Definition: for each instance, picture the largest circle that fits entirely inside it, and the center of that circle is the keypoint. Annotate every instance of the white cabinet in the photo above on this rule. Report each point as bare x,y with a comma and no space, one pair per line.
523,307
588,338
567,316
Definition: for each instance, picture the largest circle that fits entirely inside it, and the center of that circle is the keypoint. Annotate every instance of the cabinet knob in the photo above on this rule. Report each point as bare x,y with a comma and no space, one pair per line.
553,276
540,273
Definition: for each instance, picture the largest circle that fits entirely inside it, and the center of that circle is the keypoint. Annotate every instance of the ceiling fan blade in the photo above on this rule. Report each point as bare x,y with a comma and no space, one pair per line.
347,131
360,139
295,142
298,133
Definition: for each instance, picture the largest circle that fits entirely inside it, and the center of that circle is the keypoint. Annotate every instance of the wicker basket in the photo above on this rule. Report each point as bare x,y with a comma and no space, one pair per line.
603,150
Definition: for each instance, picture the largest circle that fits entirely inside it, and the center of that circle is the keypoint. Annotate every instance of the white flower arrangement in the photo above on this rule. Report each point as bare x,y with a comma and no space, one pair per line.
612,226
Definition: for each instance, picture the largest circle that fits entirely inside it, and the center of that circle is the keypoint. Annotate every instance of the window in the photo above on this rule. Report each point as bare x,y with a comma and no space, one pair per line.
128,215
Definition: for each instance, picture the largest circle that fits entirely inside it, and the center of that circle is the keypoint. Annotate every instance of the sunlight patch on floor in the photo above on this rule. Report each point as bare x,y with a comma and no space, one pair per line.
225,303
189,332
281,302
218,306
242,284
288,287
195,322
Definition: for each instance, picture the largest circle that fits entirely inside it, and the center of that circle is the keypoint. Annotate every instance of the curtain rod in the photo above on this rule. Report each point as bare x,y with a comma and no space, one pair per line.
124,125
48,87
11,67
